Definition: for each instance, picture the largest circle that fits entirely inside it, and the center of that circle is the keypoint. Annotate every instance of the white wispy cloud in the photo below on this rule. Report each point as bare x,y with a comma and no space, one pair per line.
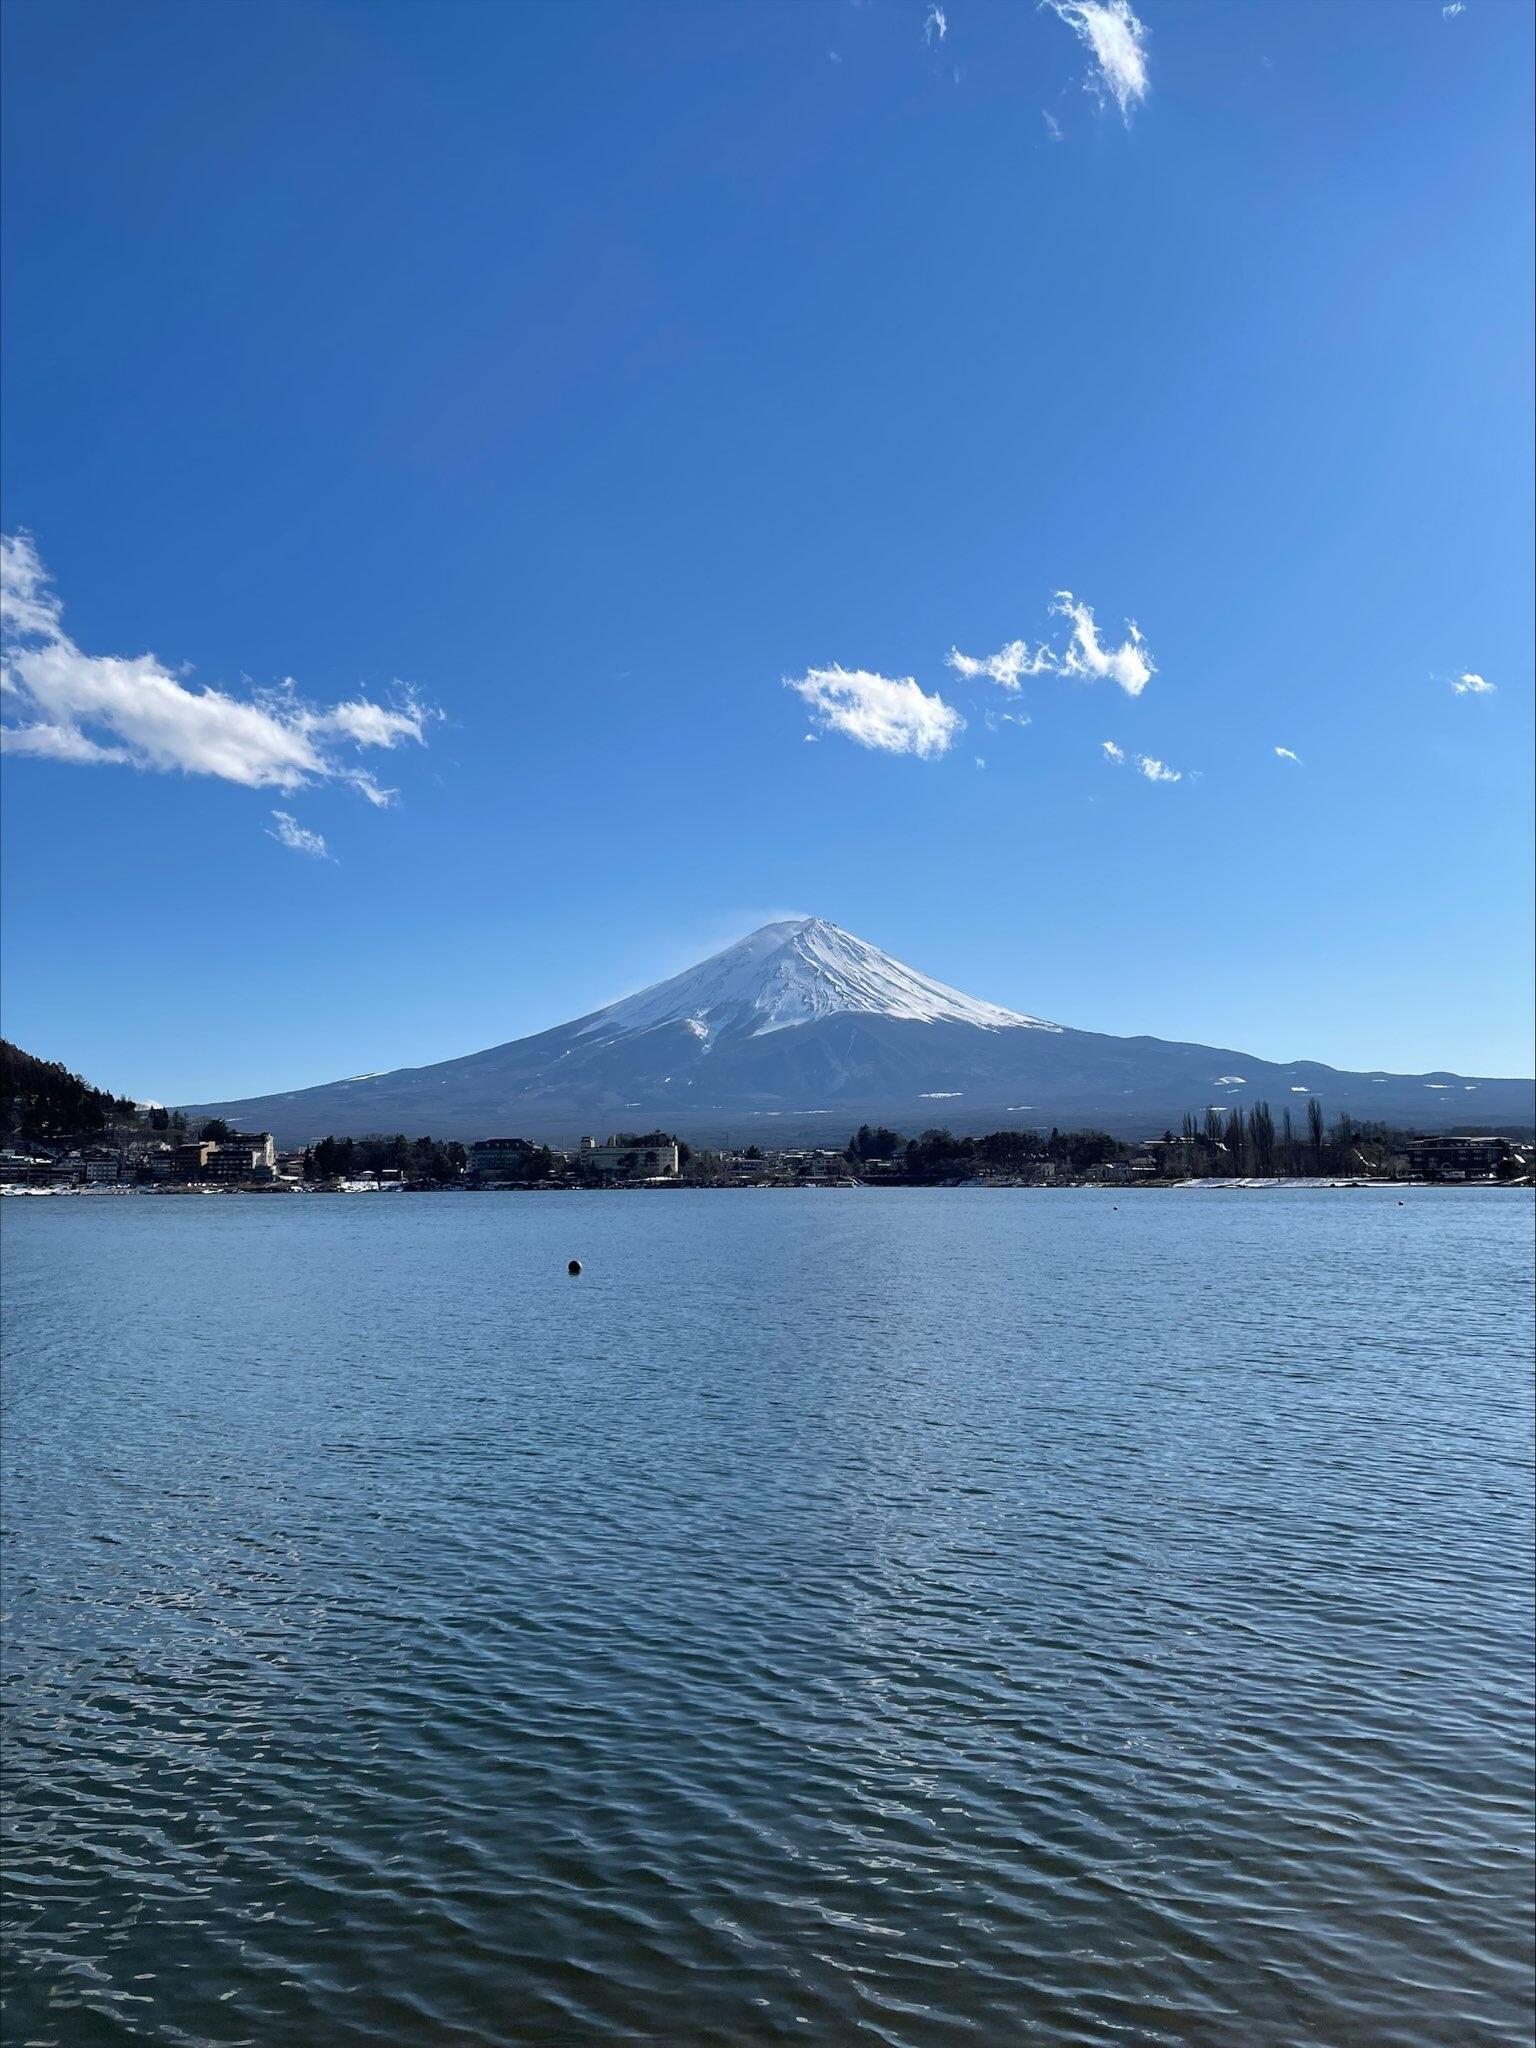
1117,41
289,832
1007,667
935,26
1285,754
1052,125
29,607
1469,685
1453,8
889,713
58,743
368,724
94,709
1146,764
1130,664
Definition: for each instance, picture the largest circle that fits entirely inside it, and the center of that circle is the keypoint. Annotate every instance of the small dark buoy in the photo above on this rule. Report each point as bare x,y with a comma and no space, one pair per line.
574,1266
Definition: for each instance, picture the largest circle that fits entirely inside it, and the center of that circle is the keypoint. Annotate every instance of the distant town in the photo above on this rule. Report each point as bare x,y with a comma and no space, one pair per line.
62,1136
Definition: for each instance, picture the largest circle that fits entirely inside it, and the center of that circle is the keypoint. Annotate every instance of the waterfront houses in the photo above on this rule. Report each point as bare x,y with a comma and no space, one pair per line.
123,1159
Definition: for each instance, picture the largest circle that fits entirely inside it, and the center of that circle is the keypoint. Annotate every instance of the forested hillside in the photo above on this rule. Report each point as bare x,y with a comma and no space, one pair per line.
41,1100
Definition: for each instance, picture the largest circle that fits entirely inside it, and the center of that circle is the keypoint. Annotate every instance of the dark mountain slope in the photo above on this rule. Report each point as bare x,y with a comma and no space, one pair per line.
802,1029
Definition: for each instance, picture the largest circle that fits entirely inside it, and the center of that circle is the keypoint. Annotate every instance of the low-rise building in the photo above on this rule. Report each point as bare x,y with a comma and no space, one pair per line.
815,1163
1458,1158
737,1166
24,1169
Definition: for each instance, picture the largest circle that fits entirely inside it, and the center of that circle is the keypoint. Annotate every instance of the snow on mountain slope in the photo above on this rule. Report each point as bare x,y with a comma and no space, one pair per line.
802,1028
794,973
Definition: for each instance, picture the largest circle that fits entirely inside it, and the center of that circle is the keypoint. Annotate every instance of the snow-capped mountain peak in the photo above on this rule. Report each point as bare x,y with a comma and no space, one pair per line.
801,1030
796,972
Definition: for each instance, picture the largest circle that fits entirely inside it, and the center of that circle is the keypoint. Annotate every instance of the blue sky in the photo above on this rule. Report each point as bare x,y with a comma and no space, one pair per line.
539,387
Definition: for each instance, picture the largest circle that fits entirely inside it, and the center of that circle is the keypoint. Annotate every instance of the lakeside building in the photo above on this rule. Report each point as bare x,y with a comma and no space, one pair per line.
1462,1159
501,1158
814,1163
736,1166
628,1159
242,1159
22,1169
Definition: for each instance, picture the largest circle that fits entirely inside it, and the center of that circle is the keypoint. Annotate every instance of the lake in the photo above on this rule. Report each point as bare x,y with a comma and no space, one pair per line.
914,1617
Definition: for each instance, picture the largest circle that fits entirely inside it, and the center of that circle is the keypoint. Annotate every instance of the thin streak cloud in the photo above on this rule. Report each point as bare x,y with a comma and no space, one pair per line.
290,833
1145,764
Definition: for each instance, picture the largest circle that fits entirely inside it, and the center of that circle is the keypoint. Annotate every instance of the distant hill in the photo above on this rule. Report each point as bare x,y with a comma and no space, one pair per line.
41,1101
801,1029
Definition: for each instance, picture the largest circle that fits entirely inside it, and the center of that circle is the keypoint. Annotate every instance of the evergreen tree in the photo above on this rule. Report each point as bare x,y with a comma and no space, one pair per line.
867,1143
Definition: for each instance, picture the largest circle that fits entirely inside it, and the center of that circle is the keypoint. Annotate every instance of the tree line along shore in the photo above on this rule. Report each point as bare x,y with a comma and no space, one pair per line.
58,1134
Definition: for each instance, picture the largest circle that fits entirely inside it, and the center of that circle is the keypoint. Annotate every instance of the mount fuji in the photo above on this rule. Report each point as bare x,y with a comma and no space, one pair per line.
803,1030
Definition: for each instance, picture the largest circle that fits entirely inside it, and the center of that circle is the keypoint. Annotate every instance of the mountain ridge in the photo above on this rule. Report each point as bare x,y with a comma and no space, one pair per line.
800,1023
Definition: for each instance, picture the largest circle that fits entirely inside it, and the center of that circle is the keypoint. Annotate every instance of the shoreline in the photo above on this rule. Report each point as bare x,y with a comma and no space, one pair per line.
1076,1187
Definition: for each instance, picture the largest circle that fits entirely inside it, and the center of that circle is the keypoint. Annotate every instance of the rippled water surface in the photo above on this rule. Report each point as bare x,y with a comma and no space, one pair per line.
911,1618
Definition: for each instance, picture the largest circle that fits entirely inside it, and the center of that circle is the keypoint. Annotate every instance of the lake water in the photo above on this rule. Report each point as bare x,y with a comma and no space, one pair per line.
905,1617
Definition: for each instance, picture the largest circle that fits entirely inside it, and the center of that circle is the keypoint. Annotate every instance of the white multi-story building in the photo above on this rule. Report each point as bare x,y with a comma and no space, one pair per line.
631,1159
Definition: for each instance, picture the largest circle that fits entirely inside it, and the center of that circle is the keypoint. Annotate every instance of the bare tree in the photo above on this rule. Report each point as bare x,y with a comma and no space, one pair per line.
1234,1141
1261,1138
